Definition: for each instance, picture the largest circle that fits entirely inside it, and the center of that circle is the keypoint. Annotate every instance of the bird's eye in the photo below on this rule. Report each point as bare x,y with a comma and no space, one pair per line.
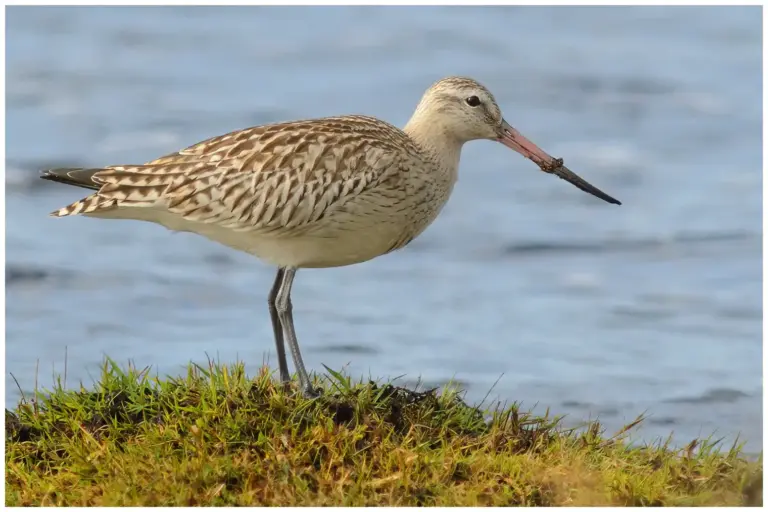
473,101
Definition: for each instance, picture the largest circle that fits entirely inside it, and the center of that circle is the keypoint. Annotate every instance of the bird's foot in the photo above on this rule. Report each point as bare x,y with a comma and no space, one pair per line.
309,392
286,384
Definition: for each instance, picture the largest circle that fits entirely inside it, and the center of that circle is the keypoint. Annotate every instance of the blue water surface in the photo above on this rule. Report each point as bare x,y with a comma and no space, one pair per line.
586,308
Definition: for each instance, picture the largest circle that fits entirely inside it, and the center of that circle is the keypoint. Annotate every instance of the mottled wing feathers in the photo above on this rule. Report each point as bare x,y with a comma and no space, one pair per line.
212,147
263,178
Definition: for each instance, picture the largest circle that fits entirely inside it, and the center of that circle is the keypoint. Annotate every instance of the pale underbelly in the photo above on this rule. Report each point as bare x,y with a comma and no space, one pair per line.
356,230
333,245
319,250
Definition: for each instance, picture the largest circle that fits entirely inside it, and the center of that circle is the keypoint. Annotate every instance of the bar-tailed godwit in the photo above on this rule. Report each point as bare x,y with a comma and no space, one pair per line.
310,194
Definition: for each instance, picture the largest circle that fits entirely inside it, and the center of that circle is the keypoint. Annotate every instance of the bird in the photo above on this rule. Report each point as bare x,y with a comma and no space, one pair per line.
315,193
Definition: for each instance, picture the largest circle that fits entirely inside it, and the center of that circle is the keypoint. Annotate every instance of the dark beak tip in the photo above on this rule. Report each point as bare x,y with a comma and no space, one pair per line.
557,168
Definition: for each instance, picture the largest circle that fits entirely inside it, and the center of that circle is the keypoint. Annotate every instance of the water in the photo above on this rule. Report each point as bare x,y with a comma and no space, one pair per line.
589,309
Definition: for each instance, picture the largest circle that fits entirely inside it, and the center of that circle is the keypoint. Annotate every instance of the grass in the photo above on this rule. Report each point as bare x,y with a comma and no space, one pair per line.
217,437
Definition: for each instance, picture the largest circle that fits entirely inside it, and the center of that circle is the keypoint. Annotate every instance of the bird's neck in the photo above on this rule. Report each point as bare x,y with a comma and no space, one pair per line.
433,138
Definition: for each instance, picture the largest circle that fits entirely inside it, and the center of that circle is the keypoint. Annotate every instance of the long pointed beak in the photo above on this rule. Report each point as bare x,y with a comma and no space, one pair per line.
514,139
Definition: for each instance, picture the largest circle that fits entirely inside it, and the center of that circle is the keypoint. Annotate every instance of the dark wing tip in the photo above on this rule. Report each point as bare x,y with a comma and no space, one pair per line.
76,176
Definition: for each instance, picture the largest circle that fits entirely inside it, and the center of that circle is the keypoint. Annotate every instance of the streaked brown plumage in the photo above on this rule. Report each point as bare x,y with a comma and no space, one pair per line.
315,193
314,182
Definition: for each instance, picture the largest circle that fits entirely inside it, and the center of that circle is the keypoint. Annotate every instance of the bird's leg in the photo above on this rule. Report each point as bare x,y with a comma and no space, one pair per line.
285,313
277,327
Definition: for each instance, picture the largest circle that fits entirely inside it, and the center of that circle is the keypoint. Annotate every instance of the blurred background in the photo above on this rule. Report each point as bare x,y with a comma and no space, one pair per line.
592,310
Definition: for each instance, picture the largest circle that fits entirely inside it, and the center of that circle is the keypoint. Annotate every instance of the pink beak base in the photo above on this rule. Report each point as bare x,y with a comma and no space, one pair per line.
513,139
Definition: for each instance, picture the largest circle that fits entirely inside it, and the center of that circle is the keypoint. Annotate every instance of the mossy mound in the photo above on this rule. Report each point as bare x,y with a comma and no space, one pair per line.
217,437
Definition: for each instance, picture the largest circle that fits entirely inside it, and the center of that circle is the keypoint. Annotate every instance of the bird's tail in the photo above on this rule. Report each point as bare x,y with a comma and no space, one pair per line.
82,178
